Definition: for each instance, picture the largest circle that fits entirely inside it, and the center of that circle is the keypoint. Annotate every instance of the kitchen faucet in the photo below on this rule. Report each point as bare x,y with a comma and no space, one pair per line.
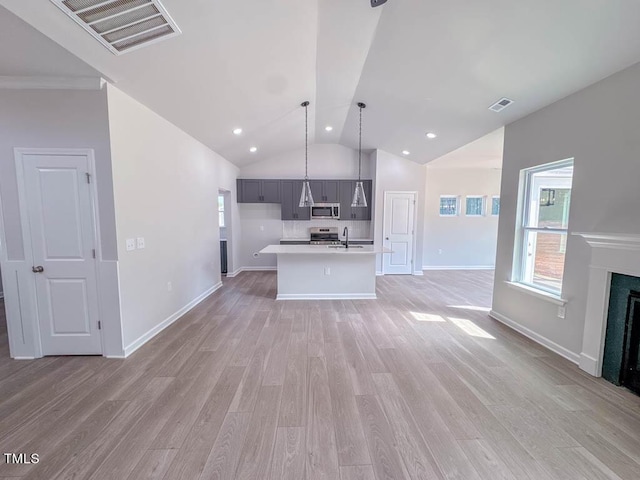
346,234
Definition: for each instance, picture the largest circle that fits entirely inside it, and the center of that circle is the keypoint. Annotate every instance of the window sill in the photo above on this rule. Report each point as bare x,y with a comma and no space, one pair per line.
541,294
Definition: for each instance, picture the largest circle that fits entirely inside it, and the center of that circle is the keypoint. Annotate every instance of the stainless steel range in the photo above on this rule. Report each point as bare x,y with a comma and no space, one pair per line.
324,236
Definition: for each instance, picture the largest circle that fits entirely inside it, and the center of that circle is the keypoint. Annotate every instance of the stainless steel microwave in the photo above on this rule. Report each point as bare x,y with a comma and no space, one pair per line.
325,210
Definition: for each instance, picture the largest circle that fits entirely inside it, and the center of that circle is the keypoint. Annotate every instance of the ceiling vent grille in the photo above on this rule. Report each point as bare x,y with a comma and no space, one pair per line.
500,104
121,25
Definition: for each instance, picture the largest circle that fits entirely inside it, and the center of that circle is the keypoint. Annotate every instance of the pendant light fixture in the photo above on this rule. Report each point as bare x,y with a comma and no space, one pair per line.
306,197
359,198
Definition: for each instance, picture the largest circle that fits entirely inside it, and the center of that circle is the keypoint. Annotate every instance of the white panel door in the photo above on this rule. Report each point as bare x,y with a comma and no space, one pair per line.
398,232
60,220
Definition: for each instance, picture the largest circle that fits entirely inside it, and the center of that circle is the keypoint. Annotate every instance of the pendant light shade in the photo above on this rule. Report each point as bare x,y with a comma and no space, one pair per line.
359,197
306,197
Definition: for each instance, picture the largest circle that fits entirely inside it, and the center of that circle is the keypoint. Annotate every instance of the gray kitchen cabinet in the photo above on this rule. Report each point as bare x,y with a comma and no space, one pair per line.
347,187
290,199
325,191
258,191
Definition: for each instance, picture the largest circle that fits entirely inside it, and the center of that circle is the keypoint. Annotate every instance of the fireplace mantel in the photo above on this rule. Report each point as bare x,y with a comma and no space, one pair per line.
610,253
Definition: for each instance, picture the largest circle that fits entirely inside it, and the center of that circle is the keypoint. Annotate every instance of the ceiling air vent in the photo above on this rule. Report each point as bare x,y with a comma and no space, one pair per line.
501,104
122,25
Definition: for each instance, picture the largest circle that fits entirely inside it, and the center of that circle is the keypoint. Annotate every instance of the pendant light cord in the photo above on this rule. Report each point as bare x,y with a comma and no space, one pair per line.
360,146
306,141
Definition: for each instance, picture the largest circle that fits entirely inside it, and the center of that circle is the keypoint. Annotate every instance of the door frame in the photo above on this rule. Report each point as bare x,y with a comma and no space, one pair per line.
34,319
415,223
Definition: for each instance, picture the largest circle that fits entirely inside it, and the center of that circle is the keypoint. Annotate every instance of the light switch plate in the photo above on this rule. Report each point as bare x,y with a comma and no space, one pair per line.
131,244
561,312
140,242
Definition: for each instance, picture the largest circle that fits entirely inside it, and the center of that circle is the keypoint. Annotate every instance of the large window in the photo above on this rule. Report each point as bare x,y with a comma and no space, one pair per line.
542,232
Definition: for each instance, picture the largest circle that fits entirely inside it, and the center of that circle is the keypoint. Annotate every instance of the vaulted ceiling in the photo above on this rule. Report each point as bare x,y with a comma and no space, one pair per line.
420,65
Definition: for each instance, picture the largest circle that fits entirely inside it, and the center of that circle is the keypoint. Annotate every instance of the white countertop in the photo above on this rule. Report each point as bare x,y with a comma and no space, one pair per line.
324,250
306,239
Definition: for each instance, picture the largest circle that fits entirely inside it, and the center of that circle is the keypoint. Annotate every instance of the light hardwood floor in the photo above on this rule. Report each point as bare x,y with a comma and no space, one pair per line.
419,384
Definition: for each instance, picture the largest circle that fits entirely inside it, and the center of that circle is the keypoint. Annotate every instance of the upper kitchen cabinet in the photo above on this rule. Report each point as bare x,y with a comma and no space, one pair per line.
347,187
258,191
325,191
291,190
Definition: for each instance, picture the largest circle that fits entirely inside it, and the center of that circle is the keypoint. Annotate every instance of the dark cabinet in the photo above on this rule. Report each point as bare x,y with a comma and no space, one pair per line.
290,199
347,187
325,191
258,191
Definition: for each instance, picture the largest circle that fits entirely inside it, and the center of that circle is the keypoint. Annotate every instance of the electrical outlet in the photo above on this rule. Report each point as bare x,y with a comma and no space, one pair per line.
140,242
439,251
131,244
561,312
327,270
169,286
262,228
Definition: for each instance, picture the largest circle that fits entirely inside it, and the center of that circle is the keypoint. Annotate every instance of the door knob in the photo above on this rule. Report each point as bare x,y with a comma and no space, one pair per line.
387,238
38,269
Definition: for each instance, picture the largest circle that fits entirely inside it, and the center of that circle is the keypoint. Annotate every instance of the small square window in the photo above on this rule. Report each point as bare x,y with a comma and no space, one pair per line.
475,206
495,205
448,205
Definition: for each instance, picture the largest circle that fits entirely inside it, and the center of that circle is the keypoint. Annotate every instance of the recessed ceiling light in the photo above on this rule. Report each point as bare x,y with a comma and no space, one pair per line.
237,131
253,149
406,152
328,128
431,135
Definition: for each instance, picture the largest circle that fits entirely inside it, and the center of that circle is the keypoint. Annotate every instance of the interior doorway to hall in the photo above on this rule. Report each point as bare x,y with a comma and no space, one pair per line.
226,231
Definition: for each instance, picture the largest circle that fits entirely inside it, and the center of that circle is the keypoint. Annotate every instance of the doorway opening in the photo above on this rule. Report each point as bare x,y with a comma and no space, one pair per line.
226,233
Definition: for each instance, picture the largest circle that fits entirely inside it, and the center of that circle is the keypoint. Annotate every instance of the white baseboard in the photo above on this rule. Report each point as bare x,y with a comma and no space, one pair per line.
458,267
1,294
136,344
326,296
418,273
24,358
251,269
536,337
590,365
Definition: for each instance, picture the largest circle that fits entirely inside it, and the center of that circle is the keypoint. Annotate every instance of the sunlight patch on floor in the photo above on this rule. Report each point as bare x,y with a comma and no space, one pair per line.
470,328
427,317
475,308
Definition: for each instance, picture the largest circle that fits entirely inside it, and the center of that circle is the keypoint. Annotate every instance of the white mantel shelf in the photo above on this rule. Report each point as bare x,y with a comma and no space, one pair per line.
610,253
627,241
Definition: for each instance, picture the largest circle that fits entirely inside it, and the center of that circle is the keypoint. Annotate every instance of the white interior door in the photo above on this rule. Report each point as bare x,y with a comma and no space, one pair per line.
58,204
398,234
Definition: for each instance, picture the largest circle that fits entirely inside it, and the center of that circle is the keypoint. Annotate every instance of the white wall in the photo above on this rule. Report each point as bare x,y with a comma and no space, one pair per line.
165,189
393,173
326,161
54,119
261,224
598,127
461,241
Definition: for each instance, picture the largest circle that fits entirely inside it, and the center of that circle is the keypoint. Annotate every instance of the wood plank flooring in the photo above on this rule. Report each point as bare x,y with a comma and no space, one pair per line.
419,384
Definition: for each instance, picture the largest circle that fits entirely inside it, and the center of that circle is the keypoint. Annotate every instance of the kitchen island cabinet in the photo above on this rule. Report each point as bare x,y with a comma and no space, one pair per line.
315,272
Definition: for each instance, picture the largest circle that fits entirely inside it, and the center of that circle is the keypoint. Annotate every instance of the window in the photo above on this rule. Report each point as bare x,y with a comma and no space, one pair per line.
448,205
495,205
543,220
221,210
475,206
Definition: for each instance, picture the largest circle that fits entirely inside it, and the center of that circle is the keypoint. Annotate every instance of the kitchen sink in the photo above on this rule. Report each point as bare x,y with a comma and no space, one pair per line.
343,246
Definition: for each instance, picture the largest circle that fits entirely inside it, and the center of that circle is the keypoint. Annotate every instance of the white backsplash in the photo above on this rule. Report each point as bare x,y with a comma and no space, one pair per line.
357,228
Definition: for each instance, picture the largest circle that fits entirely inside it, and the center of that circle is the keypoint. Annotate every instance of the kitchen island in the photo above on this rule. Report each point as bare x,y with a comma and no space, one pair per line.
312,272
